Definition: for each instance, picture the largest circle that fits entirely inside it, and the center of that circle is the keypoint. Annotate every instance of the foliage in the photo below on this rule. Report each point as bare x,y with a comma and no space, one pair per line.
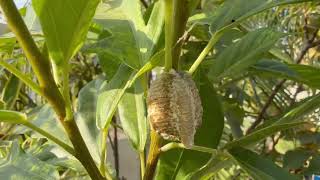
82,86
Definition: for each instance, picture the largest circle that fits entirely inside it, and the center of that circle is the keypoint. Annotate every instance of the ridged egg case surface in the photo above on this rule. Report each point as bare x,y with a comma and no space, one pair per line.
174,107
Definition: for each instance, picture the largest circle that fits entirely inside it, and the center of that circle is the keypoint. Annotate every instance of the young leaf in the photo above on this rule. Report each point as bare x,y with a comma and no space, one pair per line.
173,164
20,165
65,24
244,53
259,167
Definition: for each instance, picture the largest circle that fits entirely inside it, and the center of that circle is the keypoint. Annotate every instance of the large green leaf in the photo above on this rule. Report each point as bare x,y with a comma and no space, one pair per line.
65,24
11,91
259,167
132,41
86,116
20,165
300,73
244,53
110,96
112,92
173,163
132,113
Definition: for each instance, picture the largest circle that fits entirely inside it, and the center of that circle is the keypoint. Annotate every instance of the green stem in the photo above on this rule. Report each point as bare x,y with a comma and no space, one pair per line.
65,146
82,153
104,171
142,163
168,33
153,155
40,64
214,39
181,11
35,87
174,145
66,93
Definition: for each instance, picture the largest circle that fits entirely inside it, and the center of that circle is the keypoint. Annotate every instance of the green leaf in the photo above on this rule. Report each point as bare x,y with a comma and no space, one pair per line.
12,116
132,41
232,12
259,167
300,110
300,73
86,116
65,24
244,53
132,113
261,134
217,162
19,165
112,92
208,135
110,96
11,91
45,118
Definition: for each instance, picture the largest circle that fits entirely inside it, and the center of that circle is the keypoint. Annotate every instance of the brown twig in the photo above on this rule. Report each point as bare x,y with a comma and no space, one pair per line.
310,44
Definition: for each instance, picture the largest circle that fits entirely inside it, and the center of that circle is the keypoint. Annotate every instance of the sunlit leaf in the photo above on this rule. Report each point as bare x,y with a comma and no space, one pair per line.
65,24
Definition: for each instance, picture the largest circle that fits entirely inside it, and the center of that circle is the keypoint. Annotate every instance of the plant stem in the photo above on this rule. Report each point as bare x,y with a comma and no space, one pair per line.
116,148
35,87
42,70
168,33
181,13
142,164
65,146
82,152
66,93
104,171
174,145
153,155
214,39
40,64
